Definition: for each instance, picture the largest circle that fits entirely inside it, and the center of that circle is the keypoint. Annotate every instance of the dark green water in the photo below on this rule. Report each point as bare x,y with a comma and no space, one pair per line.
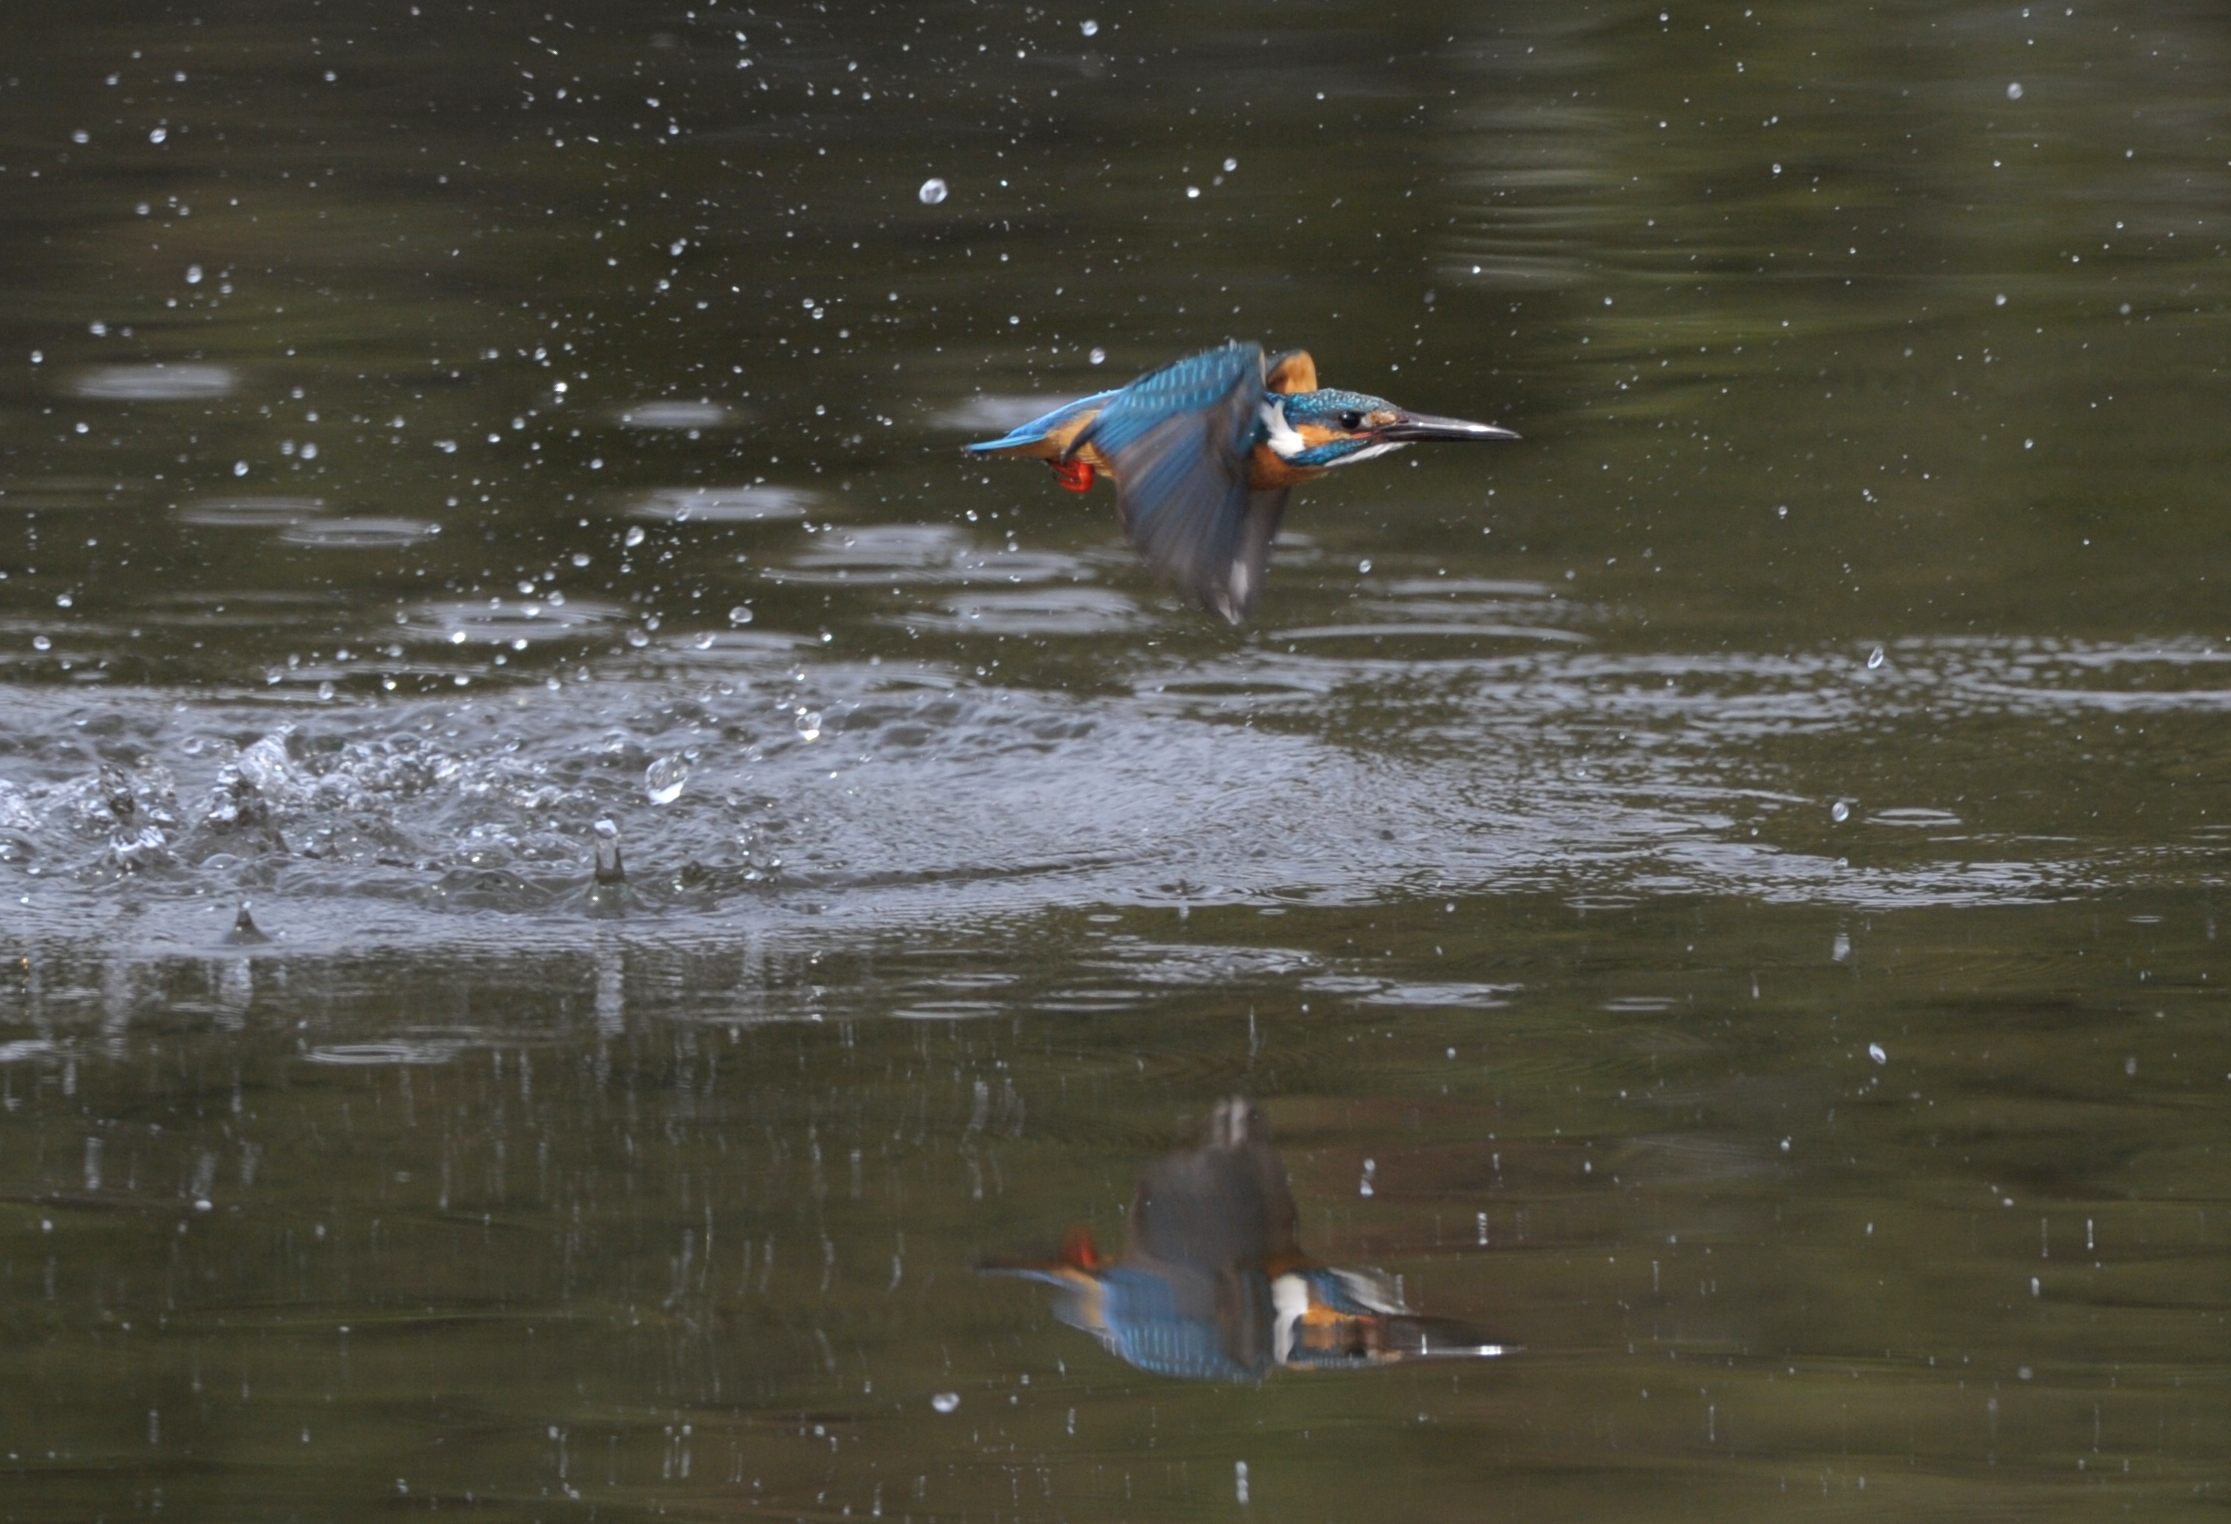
1723,895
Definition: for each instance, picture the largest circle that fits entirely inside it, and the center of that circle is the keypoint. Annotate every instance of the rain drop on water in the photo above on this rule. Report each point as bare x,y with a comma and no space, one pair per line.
809,724
933,191
663,779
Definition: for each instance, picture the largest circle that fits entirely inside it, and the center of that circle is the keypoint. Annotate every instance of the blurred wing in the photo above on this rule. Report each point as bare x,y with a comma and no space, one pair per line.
1177,442
1245,579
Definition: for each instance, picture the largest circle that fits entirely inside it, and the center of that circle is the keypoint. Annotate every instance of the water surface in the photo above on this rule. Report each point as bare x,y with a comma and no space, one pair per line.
1722,895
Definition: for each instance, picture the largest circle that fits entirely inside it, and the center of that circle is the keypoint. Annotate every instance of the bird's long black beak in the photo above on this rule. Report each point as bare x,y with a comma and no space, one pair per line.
1421,426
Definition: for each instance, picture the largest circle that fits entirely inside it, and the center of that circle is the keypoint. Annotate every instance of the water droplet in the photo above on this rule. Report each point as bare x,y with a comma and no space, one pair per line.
158,134
1777,169
740,614
2014,91
1874,658
1875,1052
933,191
1839,812
1781,510
946,1402
1192,193
1230,165
1098,356
664,778
1999,300
193,275
41,643
609,868
633,537
1089,28
1363,567
809,724
64,600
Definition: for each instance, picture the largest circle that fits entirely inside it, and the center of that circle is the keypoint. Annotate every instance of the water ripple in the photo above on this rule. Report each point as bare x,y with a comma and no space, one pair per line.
1266,775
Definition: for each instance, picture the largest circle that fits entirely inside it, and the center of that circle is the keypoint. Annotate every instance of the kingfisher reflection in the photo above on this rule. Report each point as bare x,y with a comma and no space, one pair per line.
1213,1286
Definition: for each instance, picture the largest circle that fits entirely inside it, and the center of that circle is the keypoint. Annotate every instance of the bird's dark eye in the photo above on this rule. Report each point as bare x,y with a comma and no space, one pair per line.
1351,420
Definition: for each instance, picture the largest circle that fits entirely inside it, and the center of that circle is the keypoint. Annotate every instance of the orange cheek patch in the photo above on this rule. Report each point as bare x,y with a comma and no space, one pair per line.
1315,434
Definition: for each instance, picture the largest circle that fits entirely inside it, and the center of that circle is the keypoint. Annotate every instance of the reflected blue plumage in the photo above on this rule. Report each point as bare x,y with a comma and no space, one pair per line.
1212,1283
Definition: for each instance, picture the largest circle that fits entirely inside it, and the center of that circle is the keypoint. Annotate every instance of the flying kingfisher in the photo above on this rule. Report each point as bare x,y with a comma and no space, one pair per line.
1203,452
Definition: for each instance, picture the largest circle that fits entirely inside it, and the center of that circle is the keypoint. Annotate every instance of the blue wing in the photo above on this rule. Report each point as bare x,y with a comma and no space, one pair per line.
1177,441
1048,433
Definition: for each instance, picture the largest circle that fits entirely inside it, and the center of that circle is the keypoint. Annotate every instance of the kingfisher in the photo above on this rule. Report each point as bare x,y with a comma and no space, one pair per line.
1204,451
1212,1284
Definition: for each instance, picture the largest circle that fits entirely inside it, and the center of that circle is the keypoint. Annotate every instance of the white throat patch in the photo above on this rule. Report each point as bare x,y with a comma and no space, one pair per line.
1369,452
1283,441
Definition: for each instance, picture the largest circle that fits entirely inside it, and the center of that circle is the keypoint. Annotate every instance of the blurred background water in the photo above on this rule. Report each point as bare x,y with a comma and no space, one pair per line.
1723,894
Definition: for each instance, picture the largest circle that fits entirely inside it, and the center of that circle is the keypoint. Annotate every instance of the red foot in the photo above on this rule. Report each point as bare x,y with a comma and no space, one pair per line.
1078,1251
1074,475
